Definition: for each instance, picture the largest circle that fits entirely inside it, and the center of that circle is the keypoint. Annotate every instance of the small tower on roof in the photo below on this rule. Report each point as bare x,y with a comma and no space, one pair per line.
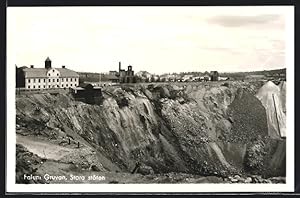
48,63
129,68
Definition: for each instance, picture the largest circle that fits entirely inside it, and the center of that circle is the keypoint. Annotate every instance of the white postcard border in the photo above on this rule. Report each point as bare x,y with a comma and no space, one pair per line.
288,187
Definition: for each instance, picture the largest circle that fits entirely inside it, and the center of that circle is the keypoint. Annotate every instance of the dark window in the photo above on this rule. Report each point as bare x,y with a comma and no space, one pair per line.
57,74
67,79
53,70
71,79
34,80
71,85
39,86
57,85
62,80
66,85
48,74
53,80
44,86
49,80
28,87
33,86
39,80
44,80
49,86
57,80
29,80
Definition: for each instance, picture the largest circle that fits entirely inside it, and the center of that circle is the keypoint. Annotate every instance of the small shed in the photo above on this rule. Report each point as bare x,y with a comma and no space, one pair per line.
88,93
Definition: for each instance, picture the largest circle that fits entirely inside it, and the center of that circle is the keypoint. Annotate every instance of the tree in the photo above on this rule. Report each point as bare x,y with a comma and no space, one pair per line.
135,79
158,79
152,78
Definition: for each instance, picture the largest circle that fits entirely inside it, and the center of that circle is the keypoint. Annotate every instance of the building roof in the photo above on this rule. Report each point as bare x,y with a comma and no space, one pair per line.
111,77
84,85
67,72
42,72
35,72
206,73
77,88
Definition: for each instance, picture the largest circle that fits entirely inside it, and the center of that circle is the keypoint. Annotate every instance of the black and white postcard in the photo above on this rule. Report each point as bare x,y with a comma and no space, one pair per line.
174,99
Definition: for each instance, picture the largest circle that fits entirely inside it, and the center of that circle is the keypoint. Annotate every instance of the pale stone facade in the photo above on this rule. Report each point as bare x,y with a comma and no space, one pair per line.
48,77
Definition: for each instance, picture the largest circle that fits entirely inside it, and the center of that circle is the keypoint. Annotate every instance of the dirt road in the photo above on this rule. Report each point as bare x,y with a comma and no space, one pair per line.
43,148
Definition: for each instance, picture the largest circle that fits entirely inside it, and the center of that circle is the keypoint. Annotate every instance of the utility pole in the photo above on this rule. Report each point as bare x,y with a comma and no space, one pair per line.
99,79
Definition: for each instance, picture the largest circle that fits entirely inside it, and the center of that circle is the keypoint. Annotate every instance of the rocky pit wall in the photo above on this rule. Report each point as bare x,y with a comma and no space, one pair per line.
206,129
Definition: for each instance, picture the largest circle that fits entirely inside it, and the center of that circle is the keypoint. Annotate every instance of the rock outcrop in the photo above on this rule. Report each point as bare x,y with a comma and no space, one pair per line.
205,129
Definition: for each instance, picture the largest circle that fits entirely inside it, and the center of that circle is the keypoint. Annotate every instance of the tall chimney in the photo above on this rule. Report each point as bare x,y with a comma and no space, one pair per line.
31,66
119,66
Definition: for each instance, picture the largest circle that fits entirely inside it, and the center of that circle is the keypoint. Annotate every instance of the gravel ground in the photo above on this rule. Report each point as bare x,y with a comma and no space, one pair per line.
248,117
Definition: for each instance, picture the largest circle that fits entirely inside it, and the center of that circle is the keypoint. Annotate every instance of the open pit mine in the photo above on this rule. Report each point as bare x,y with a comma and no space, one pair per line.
209,132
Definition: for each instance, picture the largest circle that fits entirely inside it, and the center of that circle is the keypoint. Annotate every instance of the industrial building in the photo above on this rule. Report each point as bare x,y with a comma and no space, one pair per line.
126,76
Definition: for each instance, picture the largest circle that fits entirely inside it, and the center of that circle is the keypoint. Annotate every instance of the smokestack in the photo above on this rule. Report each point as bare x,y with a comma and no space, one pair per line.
119,66
31,66
63,66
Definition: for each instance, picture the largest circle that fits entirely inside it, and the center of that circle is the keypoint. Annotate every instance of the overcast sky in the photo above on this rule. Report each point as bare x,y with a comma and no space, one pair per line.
156,39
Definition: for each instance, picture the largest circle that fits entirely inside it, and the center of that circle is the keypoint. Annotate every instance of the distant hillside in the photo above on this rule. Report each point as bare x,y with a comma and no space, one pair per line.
267,73
88,76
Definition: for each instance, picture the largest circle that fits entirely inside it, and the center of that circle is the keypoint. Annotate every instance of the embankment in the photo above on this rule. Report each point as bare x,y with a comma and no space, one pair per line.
205,129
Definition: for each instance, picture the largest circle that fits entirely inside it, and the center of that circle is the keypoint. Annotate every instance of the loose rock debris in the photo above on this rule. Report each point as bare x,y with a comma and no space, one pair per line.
171,129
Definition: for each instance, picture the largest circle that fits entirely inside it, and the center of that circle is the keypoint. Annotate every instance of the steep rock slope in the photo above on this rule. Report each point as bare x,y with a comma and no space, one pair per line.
206,129
272,99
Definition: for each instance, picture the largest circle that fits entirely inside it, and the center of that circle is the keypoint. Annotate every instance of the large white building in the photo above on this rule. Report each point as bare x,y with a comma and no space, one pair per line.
48,77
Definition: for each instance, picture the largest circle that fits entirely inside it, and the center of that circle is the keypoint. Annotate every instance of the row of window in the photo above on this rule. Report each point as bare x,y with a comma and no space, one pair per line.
53,71
49,86
53,80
